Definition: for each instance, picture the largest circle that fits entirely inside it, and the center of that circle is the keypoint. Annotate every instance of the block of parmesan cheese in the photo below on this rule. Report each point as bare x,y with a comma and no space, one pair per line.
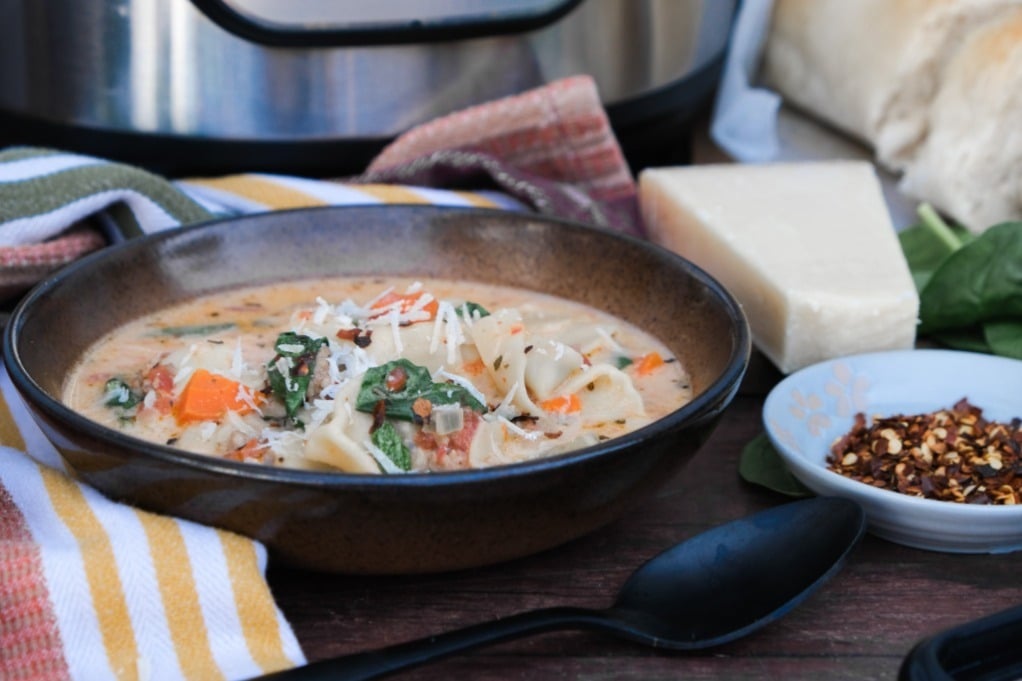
807,248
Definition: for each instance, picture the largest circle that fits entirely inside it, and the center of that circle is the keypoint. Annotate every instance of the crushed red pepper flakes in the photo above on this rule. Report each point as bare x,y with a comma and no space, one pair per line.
950,455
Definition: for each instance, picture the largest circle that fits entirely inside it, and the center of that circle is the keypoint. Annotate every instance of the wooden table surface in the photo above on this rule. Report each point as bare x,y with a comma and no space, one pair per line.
860,625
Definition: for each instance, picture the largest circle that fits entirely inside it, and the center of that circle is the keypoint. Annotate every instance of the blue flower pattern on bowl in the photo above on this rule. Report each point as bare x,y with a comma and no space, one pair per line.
844,394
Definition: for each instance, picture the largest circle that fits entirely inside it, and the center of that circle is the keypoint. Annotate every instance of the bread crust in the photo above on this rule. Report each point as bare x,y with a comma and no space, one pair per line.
970,164
917,81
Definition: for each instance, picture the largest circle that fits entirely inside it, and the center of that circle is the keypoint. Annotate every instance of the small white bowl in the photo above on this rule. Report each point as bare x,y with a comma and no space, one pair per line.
809,409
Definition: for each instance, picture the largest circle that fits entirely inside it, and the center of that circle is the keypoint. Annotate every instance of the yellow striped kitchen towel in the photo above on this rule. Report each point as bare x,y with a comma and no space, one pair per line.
92,589
43,192
259,192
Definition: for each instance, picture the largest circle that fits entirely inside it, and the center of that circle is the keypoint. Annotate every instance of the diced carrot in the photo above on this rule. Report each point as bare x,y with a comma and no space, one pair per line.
407,302
648,363
562,404
422,407
475,367
208,396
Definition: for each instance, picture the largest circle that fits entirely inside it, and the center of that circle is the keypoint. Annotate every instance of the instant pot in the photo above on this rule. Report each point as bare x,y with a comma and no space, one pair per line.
318,87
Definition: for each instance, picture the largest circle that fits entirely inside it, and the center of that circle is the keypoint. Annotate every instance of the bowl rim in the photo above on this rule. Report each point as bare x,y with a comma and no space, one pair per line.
705,405
815,473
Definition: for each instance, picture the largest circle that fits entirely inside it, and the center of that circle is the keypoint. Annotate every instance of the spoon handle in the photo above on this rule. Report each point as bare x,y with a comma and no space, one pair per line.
376,663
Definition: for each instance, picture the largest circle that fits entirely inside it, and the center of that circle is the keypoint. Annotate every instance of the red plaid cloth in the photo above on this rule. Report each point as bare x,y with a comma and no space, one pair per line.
552,148
23,266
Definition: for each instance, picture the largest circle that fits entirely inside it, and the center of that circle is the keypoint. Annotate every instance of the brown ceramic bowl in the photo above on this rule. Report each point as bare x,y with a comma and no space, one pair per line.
367,523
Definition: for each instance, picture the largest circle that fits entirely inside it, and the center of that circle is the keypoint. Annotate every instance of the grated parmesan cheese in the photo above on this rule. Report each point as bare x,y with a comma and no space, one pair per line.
611,343
284,443
240,424
120,394
417,312
506,408
447,316
395,327
323,308
245,395
238,365
382,459
383,294
462,381
518,430
182,376
185,359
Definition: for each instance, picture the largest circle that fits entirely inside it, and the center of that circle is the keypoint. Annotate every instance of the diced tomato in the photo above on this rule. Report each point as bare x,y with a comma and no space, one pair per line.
396,379
426,440
160,380
450,452
462,439
250,450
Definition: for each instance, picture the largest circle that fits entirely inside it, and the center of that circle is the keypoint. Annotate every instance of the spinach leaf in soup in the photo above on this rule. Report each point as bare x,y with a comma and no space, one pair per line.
760,464
387,440
196,329
399,383
471,310
290,371
118,394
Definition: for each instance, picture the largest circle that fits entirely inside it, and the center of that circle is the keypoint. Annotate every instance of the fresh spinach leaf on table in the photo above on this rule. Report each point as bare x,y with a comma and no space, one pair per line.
969,340
1004,337
928,243
760,464
970,287
979,282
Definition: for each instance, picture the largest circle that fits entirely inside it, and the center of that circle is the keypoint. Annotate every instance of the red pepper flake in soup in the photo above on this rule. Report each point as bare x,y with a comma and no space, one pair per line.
949,455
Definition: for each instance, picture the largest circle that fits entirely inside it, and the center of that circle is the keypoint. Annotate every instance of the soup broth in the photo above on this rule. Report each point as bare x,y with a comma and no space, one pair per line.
379,375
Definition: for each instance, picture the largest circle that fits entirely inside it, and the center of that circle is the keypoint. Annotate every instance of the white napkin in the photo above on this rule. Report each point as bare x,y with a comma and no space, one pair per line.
745,116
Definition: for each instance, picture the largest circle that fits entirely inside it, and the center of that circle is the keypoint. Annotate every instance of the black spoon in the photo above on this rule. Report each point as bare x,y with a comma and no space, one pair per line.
708,590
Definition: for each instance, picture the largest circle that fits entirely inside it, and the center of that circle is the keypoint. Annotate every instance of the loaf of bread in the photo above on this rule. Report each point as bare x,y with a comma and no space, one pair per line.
933,86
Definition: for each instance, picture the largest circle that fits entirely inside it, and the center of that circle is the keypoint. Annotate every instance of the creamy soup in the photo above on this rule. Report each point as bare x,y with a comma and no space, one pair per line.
378,376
